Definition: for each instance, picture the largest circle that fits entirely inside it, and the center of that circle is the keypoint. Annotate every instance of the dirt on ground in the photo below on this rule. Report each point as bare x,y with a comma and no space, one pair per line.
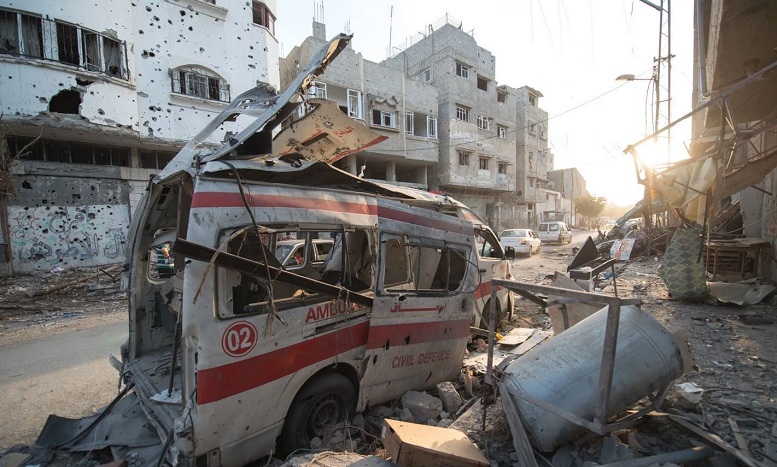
33,305
734,411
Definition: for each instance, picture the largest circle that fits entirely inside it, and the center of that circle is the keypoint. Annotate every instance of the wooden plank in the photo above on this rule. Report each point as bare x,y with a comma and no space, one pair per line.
535,339
521,442
741,441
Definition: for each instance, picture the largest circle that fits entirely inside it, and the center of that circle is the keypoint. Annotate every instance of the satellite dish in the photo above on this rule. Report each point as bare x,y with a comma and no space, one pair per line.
550,185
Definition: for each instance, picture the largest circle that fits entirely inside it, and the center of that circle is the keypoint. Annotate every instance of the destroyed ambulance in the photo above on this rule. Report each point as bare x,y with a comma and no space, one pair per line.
235,356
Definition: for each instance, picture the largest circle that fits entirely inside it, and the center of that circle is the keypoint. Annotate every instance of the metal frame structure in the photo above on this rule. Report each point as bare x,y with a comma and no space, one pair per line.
599,423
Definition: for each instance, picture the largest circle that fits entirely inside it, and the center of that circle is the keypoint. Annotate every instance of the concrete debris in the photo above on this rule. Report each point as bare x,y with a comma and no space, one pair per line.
451,400
422,405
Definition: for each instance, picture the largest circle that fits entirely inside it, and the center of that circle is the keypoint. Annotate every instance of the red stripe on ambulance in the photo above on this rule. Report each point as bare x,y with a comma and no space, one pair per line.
214,384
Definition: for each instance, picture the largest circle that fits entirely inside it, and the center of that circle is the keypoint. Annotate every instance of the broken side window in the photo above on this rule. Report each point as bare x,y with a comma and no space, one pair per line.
307,253
422,266
20,34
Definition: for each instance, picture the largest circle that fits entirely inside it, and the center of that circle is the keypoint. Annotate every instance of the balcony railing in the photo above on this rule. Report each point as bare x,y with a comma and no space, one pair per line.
27,35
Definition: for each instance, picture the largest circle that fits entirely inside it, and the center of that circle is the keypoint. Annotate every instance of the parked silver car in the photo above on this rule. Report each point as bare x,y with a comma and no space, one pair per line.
554,231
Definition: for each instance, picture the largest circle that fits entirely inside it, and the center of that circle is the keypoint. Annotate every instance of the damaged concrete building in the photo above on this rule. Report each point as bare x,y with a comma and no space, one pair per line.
449,126
96,100
736,94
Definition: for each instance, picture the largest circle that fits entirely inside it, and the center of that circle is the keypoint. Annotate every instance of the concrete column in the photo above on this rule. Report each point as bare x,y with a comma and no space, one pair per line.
421,174
391,171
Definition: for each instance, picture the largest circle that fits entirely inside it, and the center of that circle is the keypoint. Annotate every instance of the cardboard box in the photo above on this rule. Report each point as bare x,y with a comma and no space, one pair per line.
414,445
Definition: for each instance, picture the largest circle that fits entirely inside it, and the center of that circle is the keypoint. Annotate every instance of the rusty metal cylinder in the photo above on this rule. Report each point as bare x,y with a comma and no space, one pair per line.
564,371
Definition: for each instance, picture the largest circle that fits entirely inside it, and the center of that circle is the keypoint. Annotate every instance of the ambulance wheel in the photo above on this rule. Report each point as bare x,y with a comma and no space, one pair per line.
324,401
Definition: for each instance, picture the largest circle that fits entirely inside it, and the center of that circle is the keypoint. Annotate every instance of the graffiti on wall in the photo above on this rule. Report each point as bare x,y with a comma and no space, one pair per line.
48,236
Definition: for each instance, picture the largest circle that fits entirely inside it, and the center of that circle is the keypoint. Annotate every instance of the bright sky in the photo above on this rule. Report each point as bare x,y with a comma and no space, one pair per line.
570,50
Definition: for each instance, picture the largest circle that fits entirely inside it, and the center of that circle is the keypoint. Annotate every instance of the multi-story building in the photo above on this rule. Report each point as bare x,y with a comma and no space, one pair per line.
533,158
96,100
571,184
382,98
477,123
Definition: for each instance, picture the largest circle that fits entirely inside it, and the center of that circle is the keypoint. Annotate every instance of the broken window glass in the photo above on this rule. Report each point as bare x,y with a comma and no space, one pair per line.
412,266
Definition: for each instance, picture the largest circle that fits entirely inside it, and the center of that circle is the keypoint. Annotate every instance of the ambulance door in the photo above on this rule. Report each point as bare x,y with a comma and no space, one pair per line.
492,265
421,315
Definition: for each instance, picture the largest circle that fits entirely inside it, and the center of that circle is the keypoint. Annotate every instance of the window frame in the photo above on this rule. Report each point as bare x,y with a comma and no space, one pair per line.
462,113
483,162
462,70
380,116
199,83
484,122
463,157
317,90
409,124
265,16
431,126
355,104
501,131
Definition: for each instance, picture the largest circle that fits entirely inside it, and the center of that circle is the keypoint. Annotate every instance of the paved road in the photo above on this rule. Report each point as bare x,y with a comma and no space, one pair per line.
37,375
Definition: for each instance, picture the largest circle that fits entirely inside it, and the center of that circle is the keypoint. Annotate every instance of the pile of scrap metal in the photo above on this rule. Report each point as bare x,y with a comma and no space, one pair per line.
645,238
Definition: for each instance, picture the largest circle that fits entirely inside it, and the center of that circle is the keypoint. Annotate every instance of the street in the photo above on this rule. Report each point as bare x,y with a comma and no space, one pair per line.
67,374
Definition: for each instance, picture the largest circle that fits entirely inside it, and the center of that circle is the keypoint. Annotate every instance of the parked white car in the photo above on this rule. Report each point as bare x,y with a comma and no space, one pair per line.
288,250
556,232
524,241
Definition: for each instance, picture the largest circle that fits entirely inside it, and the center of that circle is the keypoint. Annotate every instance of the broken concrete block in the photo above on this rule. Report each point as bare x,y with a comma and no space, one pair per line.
383,411
407,416
422,405
451,400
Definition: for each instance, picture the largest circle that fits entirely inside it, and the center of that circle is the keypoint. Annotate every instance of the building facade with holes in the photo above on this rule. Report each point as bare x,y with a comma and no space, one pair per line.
96,100
477,120
382,98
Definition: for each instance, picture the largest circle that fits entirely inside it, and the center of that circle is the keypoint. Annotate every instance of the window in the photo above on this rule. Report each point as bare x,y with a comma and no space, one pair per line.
27,35
463,157
355,104
462,70
502,168
321,259
67,152
431,127
67,44
263,16
484,123
482,83
462,113
317,90
409,127
20,34
501,131
154,159
386,119
199,82
422,266
483,163
532,128
501,96
543,133
425,76
532,100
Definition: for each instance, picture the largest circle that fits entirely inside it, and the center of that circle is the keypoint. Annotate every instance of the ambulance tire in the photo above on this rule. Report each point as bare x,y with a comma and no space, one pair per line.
324,401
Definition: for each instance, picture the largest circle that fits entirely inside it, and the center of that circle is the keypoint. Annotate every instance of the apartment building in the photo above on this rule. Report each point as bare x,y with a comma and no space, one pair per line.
96,100
382,98
533,158
477,119
571,184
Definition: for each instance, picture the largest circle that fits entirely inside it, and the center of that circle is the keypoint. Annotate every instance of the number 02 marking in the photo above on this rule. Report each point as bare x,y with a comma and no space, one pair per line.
239,339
